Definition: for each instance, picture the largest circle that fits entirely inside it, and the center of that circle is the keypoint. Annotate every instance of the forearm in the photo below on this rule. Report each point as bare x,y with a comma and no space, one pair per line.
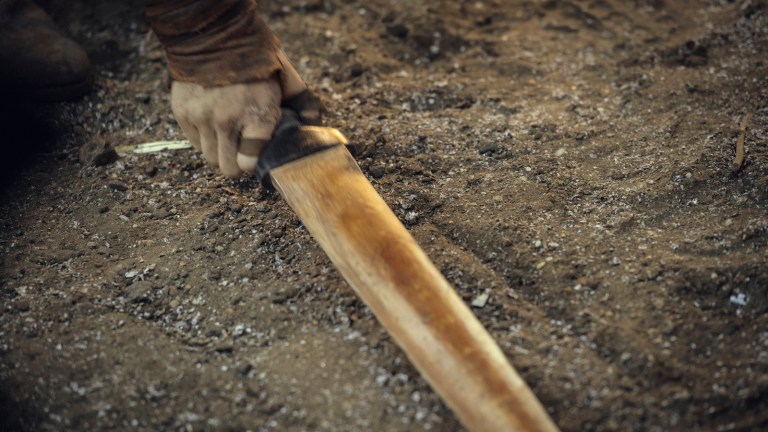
214,43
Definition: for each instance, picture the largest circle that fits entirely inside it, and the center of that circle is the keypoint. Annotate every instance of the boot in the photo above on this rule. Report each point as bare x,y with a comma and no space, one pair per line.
37,61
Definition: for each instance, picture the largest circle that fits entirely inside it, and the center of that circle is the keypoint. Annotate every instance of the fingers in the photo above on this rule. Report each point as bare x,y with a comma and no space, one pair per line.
231,125
181,107
254,139
208,143
228,136
190,131
249,151
261,117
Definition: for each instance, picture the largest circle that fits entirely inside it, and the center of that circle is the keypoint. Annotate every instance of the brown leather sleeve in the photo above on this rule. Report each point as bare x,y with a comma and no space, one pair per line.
213,43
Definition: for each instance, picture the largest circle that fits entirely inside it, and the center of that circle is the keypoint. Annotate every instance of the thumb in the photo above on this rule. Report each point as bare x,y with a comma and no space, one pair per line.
290,81
254,139
296,94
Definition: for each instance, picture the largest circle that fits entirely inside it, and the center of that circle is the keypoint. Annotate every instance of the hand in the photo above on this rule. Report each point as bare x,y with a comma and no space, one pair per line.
230,124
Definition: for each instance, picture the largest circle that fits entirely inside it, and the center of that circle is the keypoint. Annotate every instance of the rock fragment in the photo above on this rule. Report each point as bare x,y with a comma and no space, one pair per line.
97,152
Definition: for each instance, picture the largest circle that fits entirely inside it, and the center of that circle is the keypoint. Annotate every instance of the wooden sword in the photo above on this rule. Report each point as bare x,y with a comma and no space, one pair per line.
314,172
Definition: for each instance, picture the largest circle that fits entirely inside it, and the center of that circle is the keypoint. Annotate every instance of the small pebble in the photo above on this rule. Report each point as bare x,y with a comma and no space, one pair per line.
398,31
161,213
97,152
377,171
150,170
490,149
356,70
481,300
118,186
381,380
139,292
739,299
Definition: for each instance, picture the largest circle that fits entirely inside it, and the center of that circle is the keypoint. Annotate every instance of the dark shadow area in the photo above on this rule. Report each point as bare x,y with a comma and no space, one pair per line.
27,130
12,414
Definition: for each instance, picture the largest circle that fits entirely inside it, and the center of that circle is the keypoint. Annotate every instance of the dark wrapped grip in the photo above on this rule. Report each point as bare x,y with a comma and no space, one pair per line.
292,141
305,103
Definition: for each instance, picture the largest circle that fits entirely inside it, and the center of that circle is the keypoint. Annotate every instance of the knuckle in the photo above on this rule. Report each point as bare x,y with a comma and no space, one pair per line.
224,123
180,109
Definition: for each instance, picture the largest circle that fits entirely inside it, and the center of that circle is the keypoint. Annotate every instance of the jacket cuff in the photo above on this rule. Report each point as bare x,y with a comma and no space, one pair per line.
214,43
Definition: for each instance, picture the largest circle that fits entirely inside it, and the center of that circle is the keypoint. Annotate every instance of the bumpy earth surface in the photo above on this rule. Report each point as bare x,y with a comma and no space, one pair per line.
567,165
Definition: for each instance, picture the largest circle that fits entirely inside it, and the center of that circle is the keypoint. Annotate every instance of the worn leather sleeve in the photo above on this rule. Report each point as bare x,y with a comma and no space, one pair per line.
214,43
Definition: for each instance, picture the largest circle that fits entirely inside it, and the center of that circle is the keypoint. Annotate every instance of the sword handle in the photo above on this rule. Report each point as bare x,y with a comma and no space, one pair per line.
292,141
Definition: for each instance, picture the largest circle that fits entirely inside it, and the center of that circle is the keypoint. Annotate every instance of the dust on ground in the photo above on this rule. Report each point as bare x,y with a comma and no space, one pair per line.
571,161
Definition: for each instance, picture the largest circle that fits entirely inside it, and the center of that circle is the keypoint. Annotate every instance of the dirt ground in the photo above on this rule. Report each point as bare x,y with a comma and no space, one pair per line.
572,161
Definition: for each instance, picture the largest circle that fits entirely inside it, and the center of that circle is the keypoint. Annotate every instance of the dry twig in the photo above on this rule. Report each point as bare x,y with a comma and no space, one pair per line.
738,161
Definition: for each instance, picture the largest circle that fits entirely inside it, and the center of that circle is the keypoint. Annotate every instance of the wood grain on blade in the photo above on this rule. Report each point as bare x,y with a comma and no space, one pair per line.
409,296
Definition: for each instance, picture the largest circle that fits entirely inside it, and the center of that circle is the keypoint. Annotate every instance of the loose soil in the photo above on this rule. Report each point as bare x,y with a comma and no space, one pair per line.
569,160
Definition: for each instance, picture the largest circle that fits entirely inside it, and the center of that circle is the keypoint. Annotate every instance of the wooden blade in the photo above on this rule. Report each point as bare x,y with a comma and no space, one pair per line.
406,292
